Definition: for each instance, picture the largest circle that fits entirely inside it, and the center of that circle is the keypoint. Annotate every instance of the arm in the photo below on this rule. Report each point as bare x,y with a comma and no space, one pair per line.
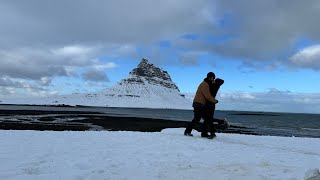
215,88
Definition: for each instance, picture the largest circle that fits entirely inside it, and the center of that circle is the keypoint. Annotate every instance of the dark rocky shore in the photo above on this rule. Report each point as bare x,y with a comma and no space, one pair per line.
84,121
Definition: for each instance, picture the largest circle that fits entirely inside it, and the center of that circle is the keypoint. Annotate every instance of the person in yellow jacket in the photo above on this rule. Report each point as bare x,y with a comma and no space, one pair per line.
202,95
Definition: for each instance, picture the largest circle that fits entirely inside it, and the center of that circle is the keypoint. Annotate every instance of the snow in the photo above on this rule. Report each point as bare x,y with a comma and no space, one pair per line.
312,174
160,155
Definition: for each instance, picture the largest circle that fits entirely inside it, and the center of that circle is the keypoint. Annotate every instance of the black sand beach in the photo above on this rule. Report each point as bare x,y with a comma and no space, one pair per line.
44,120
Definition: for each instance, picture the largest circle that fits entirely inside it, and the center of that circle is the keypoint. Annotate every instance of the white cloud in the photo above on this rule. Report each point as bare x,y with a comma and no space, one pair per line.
16,87
308,57
251,30
239,96
266,29
120,22
15,83
272,100
97,72
74,50
123,50
34,69
6,91
95,75
36,63
104,66
45,81
190,57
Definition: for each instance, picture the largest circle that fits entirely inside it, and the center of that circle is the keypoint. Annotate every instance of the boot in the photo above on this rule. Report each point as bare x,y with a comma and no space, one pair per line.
206,135
186,133
212,135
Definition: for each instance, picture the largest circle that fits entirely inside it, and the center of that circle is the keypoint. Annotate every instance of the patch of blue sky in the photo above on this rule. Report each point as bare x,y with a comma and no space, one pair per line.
164,44
208,38
122,69
303,42
219,39
228,21
300,81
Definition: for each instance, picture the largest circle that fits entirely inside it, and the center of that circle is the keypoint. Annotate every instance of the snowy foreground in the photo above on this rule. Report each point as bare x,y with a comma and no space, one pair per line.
163,155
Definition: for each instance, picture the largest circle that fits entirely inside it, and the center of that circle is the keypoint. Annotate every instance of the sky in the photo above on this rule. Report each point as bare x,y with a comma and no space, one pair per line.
155,155
266,51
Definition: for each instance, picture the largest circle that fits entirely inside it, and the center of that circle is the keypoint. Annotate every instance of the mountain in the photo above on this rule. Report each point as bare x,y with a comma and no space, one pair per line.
147,86
151,74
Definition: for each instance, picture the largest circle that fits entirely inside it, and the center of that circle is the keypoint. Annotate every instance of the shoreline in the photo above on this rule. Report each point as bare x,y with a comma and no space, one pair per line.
93,121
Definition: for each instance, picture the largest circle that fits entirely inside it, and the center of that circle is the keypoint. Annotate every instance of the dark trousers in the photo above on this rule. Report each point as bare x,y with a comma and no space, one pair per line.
209,111
199,112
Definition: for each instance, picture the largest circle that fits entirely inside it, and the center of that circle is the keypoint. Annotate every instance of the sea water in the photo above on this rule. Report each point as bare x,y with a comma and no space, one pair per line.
263,123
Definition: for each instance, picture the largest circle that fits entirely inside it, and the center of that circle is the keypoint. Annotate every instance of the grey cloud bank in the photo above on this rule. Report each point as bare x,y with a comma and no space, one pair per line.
43,40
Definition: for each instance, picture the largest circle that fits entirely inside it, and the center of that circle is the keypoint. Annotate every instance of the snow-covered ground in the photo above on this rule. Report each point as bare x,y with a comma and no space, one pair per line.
163,155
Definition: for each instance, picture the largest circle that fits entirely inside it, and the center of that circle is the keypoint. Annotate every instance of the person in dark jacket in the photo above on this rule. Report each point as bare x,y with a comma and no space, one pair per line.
202,96
210,107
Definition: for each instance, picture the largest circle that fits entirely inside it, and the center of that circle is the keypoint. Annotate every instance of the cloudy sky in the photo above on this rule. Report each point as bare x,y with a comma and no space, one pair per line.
268,52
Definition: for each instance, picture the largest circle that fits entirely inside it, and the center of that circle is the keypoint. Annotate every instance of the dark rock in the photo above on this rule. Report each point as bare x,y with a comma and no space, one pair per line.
152,74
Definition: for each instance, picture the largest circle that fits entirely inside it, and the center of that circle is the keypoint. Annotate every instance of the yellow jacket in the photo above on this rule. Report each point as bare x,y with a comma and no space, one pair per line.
203,94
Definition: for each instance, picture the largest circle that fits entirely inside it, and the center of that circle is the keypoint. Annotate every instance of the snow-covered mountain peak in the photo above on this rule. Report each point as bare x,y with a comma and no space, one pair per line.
147,86
145,68
148,72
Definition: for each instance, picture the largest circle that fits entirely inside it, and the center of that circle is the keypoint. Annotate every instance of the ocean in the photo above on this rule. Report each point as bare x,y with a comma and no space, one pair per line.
261,123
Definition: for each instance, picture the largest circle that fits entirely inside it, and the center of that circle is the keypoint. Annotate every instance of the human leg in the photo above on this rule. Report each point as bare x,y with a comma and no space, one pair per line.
208,124
198,111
